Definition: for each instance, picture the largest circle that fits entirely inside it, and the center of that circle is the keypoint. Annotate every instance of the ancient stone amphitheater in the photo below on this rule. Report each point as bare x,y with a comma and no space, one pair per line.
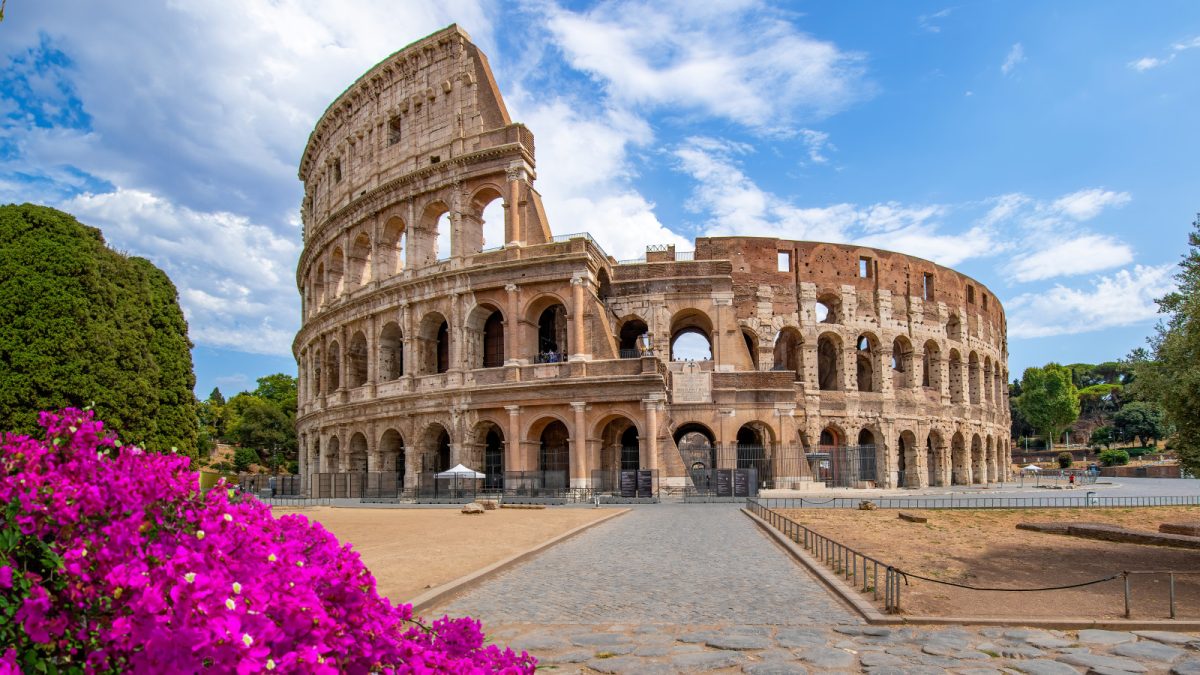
549,366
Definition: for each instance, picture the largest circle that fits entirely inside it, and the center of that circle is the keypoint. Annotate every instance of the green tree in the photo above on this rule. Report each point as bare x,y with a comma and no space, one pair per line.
81,324
1102,436
1172,376
1141,421
1114,457
243,458
1065,460
1048,400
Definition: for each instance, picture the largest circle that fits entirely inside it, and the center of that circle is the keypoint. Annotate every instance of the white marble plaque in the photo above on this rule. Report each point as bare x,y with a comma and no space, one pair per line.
691,386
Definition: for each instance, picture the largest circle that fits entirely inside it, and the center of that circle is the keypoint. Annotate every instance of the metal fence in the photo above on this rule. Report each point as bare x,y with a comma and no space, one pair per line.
284,485
951,502
860,570
783,465
536,483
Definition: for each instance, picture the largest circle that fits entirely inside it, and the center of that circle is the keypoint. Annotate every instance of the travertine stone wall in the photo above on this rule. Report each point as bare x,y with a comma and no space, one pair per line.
399,351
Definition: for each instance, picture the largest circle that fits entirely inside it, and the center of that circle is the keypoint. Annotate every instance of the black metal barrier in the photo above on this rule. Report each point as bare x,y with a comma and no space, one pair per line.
951,502
626,483
285,485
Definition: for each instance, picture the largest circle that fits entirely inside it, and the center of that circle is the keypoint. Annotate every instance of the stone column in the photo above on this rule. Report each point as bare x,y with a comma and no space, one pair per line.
579,474
650,461
409,357
512,207
372,355
723,305
513,457
512,327
577,341
456,332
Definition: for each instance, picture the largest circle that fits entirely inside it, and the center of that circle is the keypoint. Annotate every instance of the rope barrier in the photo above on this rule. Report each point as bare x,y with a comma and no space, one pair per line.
906,575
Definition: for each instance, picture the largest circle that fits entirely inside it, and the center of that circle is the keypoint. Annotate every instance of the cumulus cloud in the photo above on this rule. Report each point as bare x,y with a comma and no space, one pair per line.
235,277
1122,299
1081,255
703,58
1016,55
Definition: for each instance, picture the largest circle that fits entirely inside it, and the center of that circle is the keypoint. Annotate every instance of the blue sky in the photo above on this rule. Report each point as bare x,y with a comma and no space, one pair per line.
1047,149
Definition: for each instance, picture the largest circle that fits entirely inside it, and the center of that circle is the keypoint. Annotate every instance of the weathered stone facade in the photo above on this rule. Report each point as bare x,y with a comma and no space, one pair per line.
487,357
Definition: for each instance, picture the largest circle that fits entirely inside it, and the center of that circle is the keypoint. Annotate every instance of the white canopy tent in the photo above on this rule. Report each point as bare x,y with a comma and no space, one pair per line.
461,472
1027,467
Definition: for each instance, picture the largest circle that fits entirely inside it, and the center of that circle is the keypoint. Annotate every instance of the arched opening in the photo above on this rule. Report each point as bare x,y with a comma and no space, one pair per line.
333,367
358,454
956,377
359,272
954,328
554,456
901,461
391,454
789,352
337,267
828,308
960,464
931,366
357,373
332,461
935,451
552,334
493,458
902,363
906,461
829,359
863,457
691,336
831,437
318,286
987,379
442,239
989,450
698,448
865,363
751,347
978,467
435,344
491,217
493,340
391,352
633,335
436,451
391,248
631,458
752,440
318,383
973,377
603,285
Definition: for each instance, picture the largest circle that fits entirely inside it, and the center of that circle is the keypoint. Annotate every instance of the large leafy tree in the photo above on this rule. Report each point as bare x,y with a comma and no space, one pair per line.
265,419
1049,399
81,324
1140,420
1172,377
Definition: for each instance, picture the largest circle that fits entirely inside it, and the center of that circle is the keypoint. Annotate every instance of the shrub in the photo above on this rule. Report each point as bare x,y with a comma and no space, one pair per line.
1114,457
243,458
1065,460
112,560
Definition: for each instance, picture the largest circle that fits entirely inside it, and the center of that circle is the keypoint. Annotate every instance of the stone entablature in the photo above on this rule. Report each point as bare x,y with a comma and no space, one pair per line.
407,361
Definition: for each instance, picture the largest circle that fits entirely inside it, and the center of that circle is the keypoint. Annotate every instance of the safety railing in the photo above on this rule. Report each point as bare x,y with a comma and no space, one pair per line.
860,570
953,502
1171,574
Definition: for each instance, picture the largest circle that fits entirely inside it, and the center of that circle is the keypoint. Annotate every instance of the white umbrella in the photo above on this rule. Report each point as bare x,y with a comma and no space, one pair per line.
461,471
1031,467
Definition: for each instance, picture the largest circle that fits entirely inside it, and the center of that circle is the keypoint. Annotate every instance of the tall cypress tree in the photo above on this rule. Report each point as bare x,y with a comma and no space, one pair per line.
81,324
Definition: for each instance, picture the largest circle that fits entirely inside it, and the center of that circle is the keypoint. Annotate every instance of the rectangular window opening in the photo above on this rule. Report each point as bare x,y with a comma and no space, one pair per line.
971,294
864,267
928,287
394,130
985,300
337,170
784,261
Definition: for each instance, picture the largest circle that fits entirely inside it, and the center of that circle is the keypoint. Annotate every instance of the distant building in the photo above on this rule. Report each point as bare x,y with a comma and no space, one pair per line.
542,361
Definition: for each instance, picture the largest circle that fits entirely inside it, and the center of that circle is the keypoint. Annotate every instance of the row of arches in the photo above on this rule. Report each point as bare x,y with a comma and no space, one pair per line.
485,448
375,254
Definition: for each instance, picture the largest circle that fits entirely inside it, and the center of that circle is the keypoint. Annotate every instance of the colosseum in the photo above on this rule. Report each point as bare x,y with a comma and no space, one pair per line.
445,324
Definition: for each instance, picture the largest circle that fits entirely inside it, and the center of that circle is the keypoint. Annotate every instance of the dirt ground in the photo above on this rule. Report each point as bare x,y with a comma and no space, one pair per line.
984,548
412,550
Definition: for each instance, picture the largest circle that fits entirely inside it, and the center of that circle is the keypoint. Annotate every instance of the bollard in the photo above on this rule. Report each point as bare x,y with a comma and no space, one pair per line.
1128,611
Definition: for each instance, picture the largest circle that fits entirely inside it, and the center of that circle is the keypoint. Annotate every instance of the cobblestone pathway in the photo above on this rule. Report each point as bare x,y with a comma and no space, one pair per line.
699,588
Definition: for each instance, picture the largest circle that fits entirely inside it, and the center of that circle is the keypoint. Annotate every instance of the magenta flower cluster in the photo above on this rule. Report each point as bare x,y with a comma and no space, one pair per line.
112,560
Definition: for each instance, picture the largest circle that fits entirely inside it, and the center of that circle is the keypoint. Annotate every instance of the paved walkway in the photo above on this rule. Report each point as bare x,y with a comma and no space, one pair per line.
675,588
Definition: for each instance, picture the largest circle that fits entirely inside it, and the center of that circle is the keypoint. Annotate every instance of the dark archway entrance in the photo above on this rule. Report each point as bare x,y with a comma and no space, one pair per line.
552,334
554,456
493,459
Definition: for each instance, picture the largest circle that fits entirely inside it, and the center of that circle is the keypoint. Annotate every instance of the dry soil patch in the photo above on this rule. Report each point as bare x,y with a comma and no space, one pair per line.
984,548
412,550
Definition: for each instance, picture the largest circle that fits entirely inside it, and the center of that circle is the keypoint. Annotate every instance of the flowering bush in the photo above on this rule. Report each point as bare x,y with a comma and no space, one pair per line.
111,559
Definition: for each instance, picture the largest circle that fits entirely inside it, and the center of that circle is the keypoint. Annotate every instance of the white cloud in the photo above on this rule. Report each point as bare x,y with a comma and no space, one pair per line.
1149,62
1016,55
1081,255
817,143
1122,299
931,22
1087,204
585,174
235,278
735,60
